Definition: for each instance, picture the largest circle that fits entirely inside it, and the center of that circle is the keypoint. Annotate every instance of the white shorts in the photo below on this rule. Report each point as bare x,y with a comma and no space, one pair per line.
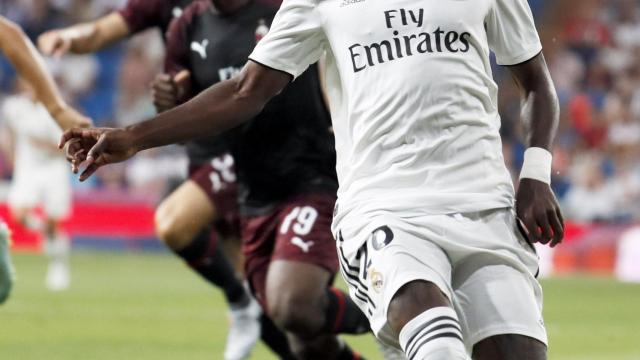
48,186
479,260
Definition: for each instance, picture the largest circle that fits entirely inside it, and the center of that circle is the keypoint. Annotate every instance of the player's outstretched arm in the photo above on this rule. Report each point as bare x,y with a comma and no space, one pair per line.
84,38
536,206
28,63
221,107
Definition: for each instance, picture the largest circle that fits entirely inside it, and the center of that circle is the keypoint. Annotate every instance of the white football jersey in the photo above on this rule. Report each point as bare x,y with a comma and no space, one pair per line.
31,123
412,97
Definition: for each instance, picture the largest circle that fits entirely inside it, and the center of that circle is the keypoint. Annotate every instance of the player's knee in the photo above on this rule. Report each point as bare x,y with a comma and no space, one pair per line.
510,347
295,313
170,229
413,299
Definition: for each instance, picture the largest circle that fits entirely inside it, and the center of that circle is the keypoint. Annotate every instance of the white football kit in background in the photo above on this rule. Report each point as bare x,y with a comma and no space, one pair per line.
40,176
414,109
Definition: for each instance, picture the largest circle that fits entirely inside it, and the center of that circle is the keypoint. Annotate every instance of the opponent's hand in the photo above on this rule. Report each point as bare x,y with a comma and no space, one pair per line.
98,147
539,213
168,92
54,43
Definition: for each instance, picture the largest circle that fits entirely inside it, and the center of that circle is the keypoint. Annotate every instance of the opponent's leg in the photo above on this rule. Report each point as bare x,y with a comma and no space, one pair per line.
6,269
510,347
182,223
427,325
299,301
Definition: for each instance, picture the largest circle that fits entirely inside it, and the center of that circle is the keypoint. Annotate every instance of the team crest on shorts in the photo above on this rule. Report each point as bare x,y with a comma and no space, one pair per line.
376,280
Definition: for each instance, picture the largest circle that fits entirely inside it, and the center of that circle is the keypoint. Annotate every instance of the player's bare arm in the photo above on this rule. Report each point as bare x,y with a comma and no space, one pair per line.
536,205
219,108
84,38
28,63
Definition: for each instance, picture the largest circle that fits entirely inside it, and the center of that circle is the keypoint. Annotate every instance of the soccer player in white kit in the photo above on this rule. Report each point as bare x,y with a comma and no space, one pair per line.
15,45
40,177
434,244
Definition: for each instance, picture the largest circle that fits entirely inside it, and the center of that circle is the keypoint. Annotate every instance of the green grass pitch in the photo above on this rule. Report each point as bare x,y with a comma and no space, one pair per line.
151,307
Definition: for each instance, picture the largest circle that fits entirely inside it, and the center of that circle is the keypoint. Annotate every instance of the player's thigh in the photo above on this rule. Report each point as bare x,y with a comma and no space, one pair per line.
510,347
183,214
304,258
496,292
398,273
296,294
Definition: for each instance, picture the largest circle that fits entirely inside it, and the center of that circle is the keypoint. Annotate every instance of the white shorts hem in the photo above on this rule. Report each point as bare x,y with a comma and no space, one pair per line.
407,278
478,336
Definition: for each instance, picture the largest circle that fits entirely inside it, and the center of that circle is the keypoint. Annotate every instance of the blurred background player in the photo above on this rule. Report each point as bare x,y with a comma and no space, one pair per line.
27,62
40,178
187,214
135,17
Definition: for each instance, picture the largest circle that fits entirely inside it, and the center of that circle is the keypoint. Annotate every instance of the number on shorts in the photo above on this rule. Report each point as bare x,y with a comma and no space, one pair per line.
302,219
224,173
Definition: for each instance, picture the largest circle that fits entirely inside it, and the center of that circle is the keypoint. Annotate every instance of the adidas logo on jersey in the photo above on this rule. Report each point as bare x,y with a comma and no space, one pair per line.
350,2
414,43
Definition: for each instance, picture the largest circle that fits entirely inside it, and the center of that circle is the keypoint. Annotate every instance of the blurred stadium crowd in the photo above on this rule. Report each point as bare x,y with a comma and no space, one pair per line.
593,51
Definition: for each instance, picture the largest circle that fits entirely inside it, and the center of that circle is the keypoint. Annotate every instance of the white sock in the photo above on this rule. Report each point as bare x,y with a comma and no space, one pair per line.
433,335
58,247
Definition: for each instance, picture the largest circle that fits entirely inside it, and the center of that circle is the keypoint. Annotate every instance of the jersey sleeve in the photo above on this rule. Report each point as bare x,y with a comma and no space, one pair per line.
143,14
512,33
295,41
177,38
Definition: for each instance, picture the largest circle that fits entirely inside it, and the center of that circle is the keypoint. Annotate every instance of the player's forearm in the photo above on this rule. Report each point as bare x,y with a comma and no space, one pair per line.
93,36
541,110
28,63
221,107
213,111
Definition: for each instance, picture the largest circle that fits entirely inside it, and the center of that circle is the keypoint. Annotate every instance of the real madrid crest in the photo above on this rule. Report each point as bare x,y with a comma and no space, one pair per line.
376,280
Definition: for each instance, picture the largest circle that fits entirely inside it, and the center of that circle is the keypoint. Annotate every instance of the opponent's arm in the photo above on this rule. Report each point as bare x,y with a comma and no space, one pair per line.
219,108
28,63
173,87
536,205
86,37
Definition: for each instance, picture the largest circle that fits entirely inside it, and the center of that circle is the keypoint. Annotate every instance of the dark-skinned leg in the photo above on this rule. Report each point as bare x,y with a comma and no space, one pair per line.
425,322
297,301
509,347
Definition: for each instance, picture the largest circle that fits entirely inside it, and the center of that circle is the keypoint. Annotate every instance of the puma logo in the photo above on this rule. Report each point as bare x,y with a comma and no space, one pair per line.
304,245
200,48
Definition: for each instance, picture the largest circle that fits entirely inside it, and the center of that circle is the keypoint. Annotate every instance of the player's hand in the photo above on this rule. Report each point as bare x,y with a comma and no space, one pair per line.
539,213
98,147
54,43
168,92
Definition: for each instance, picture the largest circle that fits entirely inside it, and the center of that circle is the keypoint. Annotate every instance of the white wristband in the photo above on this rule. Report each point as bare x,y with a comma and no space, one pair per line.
537,165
